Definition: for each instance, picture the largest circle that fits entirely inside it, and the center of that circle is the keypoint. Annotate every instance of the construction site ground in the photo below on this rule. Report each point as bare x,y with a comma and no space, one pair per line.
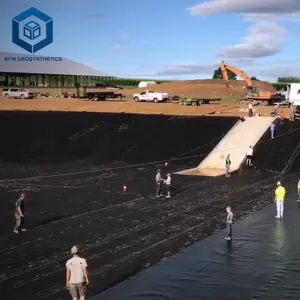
77,105
192,88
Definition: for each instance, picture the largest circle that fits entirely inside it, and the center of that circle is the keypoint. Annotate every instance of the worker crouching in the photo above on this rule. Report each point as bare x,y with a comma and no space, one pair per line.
167,183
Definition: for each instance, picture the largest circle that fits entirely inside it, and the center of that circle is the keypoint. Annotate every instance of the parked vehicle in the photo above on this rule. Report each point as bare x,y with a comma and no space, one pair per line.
189,101
293,93
195,101
103,96
297,112
18,93
150,96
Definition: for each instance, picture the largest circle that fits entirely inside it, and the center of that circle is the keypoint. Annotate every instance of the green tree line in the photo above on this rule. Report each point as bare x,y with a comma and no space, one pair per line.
283,81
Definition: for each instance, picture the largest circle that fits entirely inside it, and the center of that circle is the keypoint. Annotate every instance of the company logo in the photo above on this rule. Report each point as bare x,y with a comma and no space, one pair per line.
32,30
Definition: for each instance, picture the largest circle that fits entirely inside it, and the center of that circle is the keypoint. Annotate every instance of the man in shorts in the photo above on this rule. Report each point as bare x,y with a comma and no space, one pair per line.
76,275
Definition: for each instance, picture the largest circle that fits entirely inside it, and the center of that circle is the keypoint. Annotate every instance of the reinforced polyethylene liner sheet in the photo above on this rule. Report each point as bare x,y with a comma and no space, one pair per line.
263,262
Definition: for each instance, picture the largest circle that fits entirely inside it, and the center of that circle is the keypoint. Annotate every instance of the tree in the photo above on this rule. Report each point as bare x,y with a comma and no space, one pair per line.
288,79
218,74
254,78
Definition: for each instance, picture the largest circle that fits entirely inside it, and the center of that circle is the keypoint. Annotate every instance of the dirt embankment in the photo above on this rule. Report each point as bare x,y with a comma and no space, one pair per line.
205,88
192,88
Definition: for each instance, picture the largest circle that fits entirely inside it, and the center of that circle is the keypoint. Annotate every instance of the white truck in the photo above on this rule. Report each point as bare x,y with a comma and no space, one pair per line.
293,96
18,93
150,96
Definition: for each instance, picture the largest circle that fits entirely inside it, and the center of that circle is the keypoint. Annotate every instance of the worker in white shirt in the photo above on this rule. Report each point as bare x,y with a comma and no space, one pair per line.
249,157
159,181
76,275
250,109
167,183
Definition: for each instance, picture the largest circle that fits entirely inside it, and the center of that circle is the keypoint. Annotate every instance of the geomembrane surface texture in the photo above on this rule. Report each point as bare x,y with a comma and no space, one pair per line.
262,262
73,168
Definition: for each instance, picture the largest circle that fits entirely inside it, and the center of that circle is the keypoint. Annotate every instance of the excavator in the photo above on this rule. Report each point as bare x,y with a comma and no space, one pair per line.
251,92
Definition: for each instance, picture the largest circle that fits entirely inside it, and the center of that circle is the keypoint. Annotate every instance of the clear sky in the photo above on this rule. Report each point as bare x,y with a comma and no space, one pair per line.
166,39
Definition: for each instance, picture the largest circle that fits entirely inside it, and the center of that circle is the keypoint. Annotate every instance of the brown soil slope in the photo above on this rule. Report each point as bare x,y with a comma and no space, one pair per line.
205,88
192,88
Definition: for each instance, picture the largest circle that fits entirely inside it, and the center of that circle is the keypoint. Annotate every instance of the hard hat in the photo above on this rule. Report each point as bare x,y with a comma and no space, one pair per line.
278,183
74,250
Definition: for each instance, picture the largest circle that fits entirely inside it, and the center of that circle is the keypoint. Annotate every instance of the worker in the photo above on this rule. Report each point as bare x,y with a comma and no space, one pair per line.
281,117
279,198
19,214
167,183
227,165
292,113
250,109
298,188
272,129
276,108
159,182
229,221
249,156
76,275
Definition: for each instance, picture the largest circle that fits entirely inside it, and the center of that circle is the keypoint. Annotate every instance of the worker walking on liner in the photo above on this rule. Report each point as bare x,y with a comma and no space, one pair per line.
279,198
159,182
227,165
292,113
272,129
282,116
229,221
298,189
249,157
76,275
167,183
19,214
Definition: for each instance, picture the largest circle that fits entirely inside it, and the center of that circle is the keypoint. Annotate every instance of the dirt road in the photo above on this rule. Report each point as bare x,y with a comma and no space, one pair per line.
75,105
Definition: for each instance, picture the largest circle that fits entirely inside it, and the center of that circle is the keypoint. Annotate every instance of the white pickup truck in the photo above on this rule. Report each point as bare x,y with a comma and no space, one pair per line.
18,93
150,96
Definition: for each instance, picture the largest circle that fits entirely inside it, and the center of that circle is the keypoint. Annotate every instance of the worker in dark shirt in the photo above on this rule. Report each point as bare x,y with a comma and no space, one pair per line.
229,221
19,214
